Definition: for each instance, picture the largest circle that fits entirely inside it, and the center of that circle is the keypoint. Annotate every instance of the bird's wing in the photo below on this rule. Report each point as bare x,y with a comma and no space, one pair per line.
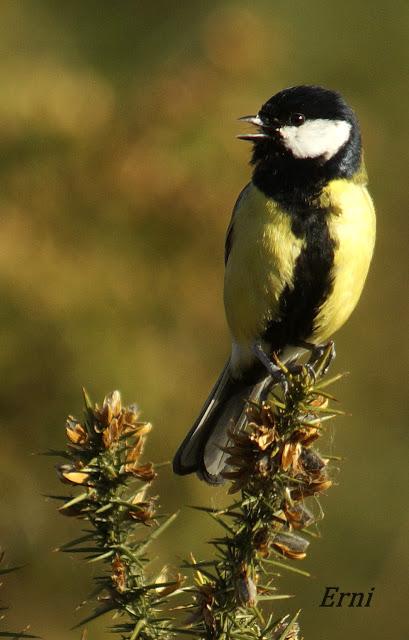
260,267
229,233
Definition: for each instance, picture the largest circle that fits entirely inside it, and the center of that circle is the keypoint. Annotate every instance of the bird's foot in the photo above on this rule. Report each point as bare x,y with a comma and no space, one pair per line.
277,374
318,364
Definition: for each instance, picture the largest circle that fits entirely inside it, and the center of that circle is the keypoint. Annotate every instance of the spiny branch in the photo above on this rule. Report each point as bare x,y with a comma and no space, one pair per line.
102,461
274,466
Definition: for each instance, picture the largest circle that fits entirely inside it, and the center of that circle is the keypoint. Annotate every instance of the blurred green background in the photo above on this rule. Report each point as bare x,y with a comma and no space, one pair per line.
119,169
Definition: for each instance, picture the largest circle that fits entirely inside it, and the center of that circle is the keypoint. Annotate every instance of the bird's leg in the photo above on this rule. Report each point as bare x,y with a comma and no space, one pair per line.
277,374
317,351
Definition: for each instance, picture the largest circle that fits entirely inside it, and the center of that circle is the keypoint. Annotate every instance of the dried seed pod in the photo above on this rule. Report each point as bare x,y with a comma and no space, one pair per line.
111,433
118,575
317,486
112,405
246,589
290,545
298,515
141,428
143,512
321,402
133,454
144,472
263,437
290,456
70,474
306,435
205,600
166,576
261,542
311,461
261,415
264,466
76,433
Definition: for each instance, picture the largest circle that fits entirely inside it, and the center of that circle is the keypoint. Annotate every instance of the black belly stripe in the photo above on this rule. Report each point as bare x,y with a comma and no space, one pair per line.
312,282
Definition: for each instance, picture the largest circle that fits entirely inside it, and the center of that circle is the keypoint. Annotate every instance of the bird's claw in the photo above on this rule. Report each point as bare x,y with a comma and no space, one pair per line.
277,374
315,367
317,352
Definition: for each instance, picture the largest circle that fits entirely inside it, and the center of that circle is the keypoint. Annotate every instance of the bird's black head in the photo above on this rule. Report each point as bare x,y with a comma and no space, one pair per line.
305,136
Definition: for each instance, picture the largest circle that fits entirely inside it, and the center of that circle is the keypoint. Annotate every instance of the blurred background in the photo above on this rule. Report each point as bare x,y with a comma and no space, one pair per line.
119,169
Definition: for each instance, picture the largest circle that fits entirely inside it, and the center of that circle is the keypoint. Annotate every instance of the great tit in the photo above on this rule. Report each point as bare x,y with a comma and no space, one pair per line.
297,253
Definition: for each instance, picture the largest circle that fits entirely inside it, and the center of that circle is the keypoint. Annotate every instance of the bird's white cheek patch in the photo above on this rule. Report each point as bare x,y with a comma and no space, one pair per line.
316,138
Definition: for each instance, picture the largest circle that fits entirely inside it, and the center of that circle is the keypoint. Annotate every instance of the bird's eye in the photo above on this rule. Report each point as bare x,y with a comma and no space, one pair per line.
297,119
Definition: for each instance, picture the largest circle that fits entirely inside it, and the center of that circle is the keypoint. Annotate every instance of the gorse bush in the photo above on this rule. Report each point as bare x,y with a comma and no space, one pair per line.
274,471
103,460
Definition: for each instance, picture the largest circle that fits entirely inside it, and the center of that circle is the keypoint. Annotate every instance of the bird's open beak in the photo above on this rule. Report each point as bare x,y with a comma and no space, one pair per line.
257,122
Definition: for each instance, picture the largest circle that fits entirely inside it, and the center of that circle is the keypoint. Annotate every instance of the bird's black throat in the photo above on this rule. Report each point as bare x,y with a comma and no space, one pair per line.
290,180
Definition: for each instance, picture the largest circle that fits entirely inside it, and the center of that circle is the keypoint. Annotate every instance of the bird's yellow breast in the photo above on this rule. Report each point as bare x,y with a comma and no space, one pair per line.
352,227
264,252
260,265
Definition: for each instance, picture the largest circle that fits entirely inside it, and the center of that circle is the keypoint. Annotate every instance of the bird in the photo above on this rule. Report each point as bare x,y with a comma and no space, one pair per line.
297,253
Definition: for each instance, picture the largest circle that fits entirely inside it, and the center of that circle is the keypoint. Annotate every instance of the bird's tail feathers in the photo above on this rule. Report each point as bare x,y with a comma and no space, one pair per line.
202,449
